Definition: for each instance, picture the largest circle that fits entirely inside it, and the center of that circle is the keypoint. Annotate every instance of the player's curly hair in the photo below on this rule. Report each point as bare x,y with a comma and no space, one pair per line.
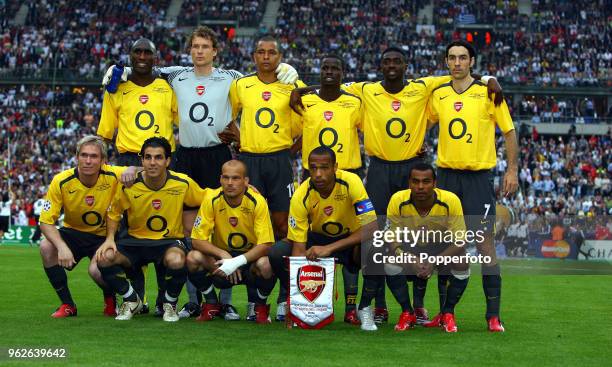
203,32
422,167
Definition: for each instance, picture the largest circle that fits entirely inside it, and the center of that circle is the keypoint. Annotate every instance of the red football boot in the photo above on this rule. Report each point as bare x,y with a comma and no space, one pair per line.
65,310
435,322
350,317
448,323
406,321
110,306
495,325
209,312
262,314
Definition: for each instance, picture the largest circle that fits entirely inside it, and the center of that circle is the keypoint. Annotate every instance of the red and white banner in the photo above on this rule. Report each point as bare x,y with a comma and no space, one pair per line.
311,291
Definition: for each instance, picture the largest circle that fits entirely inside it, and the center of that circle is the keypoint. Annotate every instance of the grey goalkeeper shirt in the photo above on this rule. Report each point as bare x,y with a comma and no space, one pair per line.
203,102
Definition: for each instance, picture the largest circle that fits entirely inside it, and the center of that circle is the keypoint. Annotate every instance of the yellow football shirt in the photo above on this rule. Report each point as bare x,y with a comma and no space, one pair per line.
394,125
333,124
139,113
156,214
445,215
467,126
265,121
234,228
344,211
84,207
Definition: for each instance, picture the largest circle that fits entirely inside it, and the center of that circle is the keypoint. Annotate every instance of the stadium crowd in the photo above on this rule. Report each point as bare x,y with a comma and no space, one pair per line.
246,13
565,44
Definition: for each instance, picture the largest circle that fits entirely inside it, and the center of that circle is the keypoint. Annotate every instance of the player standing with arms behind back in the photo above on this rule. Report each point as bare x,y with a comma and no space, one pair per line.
466,154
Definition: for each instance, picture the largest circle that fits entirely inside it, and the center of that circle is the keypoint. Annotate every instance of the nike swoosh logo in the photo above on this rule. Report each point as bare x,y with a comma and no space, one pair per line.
180,80
129,91
222,209
377,94
137,196
441,98
310,105
249,86
72,192
314,206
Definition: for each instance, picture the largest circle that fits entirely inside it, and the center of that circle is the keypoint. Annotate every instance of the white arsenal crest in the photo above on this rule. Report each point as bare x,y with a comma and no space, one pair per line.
157,204
328,115
200,90
143,99
311,281
395,105
266,95
458,106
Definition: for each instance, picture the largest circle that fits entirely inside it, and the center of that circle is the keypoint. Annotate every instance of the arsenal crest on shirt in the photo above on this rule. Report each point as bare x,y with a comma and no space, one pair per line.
458,106
233,221
157,204
328,210
89,200
266,95
395,105
143,99
200,90
328,115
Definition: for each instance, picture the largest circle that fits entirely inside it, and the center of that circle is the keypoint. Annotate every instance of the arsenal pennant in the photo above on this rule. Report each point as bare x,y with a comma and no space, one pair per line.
144,99
311,289
328,210
89,200
266,95
328,115
395,105
233,221
458,106
156,204
200,90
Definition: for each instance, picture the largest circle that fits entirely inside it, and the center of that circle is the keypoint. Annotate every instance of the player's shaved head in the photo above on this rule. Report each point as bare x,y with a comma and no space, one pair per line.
265,38
394,49
235,165
143,44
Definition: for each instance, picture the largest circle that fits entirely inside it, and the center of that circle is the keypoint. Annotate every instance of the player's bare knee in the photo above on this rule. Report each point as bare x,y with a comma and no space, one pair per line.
174,259
48,252
193,260
263,267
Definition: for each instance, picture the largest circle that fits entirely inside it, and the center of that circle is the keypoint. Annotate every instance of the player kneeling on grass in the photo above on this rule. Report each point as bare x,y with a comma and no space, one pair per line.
83,194
154,206
435,213
231,237
330,214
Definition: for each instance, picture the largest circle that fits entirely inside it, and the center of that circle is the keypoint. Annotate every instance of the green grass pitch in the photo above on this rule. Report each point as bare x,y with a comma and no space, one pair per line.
551,320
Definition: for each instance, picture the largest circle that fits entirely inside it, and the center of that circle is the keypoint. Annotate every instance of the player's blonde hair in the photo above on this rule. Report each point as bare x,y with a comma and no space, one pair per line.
93,140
